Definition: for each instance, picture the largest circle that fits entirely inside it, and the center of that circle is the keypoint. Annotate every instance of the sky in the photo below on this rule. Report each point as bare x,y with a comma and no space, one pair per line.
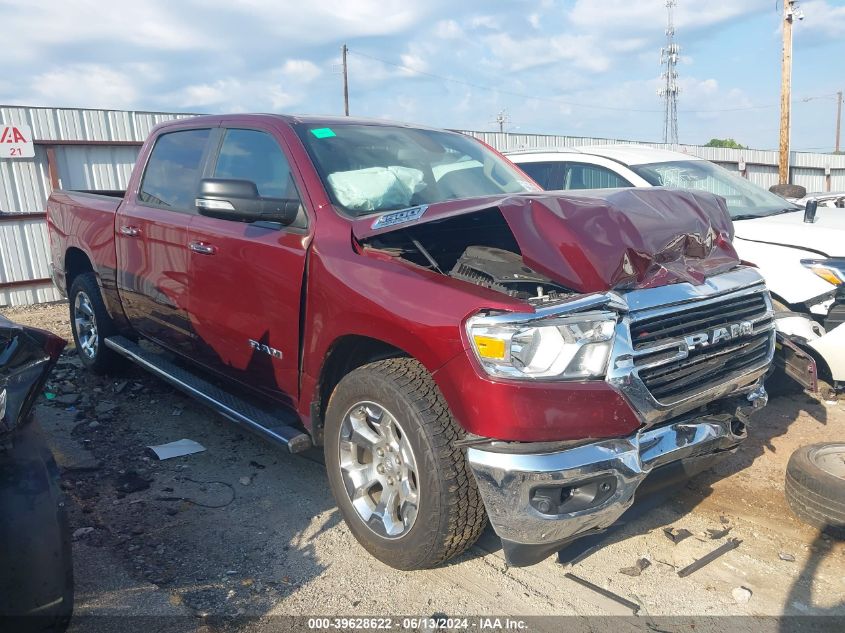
574,67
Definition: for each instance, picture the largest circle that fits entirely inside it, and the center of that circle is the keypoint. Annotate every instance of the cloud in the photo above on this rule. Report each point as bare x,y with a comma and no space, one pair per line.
277,55
276,89
85,85
520,53
490,22
301,70
611,16
29,27
323,21
413,63
821,20
448,30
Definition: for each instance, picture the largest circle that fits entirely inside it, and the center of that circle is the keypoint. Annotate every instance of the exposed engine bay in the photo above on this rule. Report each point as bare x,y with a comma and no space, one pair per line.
505,272
478,248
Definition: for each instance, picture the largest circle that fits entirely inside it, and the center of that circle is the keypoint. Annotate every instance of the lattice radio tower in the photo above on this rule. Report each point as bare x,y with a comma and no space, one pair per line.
669,91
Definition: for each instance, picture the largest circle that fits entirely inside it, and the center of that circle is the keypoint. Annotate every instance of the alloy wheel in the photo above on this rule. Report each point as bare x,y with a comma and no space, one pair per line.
85,324
379,469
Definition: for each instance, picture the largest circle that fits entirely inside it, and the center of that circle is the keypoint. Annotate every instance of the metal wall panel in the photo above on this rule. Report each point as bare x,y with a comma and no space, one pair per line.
812,179
24,183
25,255
763,175
79,124
837,180
95,166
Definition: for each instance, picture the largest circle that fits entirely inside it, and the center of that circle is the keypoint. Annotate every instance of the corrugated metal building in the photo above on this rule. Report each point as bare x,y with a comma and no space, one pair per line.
74,149
816,172
96,149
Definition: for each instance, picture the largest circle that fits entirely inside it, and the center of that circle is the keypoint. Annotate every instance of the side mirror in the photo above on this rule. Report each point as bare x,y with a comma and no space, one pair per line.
239,200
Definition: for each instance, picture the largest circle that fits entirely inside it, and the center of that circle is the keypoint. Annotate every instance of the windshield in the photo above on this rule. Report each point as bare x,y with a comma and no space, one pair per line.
372,168
744,198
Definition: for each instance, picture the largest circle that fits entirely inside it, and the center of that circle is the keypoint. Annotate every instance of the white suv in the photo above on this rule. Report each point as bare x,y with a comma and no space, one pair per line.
803,263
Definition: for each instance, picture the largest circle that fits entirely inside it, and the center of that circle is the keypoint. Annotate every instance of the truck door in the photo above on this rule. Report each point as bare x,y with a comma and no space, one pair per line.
246,278
151,232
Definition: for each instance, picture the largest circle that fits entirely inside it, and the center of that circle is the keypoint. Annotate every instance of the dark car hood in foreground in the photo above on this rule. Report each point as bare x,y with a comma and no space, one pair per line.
596,240
26,357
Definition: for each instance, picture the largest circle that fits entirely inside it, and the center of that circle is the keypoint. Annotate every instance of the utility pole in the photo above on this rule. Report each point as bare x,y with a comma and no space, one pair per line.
838,117
344,50
501,119
669,91
785,91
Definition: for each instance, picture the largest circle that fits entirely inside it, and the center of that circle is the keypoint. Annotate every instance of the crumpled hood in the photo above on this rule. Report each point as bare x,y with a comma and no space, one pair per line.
825,236
593,241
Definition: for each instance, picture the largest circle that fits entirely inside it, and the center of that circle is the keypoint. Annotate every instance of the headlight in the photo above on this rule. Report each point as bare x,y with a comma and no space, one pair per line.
566,348
831,270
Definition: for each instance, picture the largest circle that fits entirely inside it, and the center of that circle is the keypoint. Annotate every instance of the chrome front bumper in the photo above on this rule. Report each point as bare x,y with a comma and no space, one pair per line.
547,499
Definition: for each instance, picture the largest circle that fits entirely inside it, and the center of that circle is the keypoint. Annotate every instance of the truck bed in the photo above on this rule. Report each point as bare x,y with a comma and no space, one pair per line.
83,220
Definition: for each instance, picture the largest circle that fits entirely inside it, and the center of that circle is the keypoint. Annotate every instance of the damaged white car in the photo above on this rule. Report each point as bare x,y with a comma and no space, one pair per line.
800,252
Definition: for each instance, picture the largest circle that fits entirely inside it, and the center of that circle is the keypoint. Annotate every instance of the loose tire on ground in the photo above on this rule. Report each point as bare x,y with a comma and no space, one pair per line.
449,515
815,486
85,291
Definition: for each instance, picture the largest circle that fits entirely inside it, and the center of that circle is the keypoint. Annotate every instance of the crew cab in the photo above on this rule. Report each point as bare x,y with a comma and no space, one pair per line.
801,258
461,344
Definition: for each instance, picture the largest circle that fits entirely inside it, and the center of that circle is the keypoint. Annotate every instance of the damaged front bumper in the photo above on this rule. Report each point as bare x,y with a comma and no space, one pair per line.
537,502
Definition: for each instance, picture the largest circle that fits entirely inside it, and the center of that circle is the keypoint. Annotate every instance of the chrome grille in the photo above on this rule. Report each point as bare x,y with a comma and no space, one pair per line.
672,370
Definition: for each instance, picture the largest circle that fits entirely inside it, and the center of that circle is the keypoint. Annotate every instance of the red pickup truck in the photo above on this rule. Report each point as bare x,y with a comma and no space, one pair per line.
461,344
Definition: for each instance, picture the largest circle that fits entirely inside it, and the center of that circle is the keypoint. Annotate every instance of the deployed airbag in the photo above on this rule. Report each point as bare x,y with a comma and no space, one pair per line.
376,187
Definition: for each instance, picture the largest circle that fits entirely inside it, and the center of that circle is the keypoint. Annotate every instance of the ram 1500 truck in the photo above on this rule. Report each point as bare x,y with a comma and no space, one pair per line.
461,344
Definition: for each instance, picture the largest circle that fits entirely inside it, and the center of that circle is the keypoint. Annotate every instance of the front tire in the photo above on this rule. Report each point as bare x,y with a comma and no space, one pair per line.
404,489
91,324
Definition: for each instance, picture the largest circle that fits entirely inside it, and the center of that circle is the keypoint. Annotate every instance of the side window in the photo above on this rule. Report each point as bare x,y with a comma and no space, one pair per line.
549,175
585,176
256,156
172,175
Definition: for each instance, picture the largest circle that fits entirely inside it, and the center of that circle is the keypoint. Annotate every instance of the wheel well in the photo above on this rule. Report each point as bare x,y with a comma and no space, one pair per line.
76,263
345,355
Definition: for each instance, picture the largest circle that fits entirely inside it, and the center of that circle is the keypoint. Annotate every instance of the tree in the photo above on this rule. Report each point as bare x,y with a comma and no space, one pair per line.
724,142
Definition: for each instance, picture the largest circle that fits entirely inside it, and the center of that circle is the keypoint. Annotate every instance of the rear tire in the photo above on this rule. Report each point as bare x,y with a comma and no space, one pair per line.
91,324
815,486
396,403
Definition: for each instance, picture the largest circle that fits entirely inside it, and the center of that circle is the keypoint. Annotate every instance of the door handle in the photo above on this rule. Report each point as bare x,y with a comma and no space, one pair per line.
203,248
130,231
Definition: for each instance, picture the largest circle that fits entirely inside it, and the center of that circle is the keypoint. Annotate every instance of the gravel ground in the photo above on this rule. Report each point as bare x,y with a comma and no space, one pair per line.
245,529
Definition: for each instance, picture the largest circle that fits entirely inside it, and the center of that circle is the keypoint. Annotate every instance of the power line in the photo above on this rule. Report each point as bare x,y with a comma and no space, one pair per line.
591,106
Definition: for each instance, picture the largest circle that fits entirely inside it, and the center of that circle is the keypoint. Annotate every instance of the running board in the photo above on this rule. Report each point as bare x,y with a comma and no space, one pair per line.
269,425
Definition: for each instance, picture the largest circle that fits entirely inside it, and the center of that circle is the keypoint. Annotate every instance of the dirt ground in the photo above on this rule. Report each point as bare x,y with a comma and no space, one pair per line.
246,529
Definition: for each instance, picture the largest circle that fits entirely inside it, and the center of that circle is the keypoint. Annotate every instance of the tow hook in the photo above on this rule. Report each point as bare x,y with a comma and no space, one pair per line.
758,398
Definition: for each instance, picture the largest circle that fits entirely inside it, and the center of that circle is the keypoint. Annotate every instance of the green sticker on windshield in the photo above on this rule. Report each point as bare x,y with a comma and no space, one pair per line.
323,132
